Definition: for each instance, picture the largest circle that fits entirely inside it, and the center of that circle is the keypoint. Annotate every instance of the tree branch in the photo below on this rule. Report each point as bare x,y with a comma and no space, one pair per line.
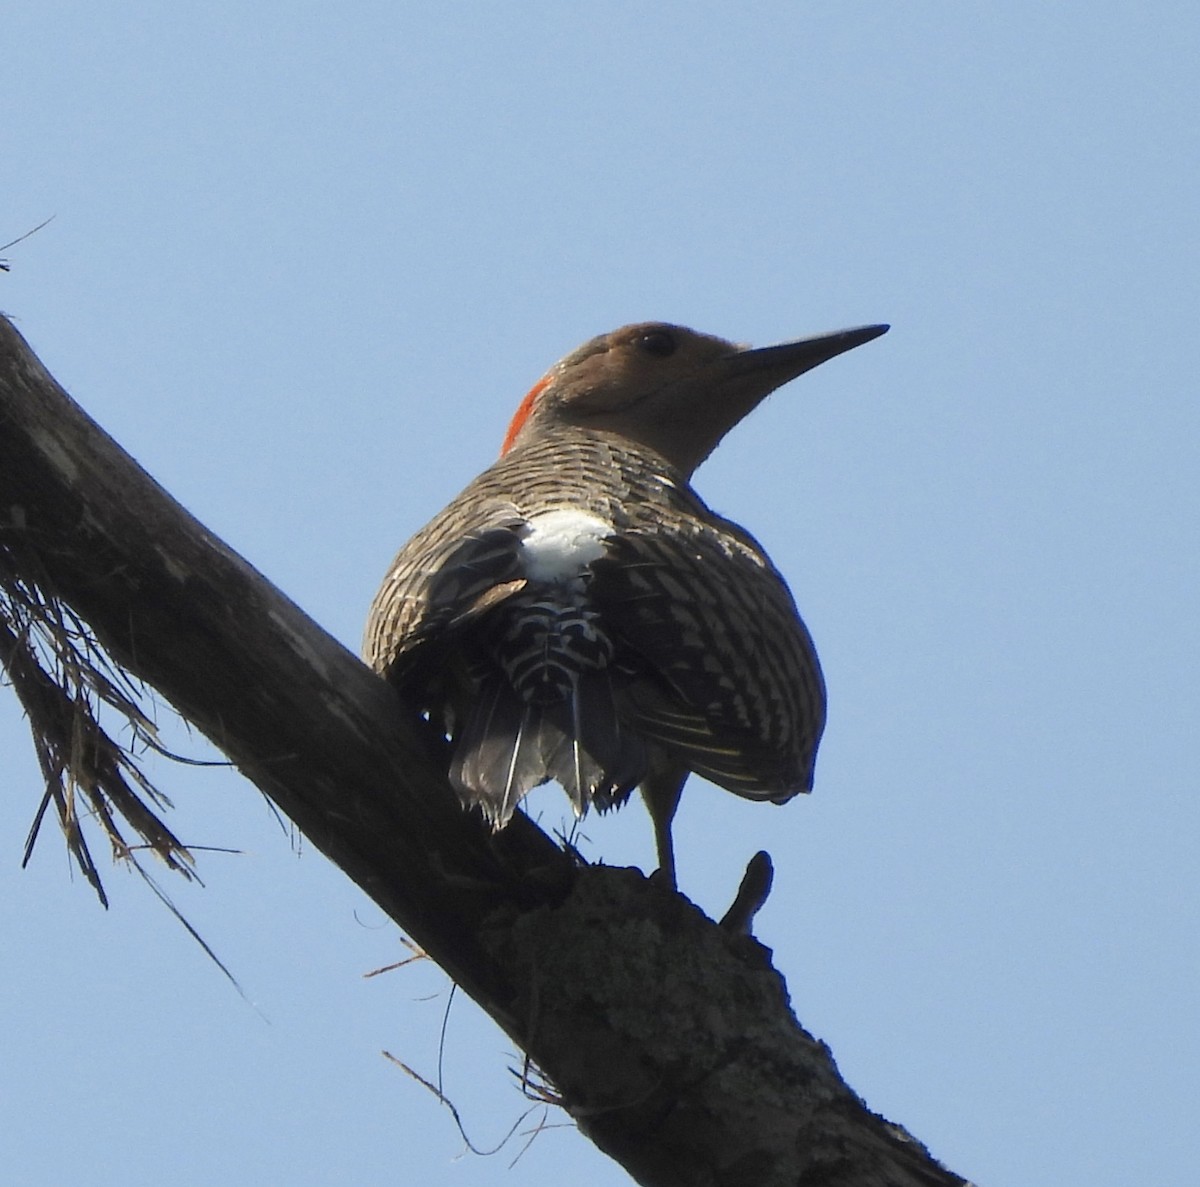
670,1040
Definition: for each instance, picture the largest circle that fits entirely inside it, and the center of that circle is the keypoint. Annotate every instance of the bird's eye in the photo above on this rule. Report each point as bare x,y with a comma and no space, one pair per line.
658,343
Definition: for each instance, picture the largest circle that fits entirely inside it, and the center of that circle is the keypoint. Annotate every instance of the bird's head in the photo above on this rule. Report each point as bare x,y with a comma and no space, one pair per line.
667,387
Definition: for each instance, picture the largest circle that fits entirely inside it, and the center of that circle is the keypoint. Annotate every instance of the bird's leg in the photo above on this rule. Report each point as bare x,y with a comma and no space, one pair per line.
661,790
752,893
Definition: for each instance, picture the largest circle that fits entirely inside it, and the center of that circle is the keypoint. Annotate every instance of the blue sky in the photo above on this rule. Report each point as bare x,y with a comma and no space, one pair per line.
305,262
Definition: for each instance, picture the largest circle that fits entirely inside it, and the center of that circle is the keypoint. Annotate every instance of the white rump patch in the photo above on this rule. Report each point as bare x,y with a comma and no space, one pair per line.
561,544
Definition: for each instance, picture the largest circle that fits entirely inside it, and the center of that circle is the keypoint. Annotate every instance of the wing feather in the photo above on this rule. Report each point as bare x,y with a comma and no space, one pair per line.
733,683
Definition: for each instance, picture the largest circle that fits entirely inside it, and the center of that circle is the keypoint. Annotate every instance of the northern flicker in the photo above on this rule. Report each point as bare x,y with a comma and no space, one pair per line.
579,614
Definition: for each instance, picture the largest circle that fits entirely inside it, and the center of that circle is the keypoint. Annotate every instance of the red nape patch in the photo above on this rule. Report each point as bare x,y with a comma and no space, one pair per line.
522,415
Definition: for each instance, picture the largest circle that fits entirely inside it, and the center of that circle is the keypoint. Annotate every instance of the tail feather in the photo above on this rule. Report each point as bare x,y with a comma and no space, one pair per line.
497,757
601,762
508,746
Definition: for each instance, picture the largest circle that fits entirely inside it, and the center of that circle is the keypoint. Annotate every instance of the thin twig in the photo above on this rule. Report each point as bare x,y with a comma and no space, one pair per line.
4,265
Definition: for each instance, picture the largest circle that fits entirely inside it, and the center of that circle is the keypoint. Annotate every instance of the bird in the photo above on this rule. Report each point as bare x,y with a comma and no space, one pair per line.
579,614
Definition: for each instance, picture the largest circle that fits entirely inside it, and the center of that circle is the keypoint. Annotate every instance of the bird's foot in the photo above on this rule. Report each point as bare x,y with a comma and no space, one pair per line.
664,879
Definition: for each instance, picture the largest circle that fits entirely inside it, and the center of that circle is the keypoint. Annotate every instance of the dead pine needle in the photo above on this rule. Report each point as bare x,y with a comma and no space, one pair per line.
69,688
448,1104
71,692
536,1085
532,1134
417,954
4,265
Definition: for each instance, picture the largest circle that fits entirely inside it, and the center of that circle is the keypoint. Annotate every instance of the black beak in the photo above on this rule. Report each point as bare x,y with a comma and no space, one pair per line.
779,364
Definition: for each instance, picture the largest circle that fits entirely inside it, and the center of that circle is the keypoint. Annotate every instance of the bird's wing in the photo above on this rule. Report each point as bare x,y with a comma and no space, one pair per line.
440,582
734,687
